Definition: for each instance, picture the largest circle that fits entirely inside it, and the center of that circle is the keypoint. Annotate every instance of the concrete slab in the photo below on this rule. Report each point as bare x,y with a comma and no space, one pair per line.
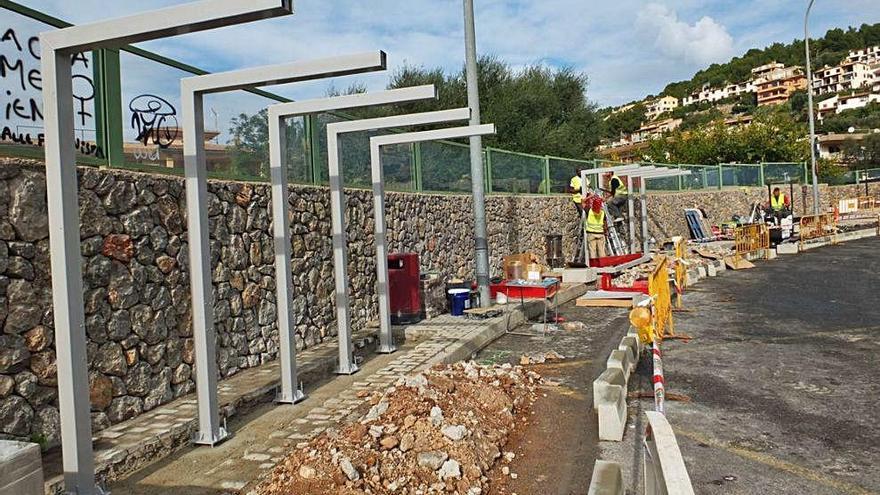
21,469
607,479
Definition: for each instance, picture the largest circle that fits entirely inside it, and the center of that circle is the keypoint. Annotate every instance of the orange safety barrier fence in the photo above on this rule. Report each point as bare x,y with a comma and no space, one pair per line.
752,239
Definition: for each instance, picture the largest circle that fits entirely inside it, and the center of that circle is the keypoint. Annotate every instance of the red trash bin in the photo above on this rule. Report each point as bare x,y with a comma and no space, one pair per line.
403,288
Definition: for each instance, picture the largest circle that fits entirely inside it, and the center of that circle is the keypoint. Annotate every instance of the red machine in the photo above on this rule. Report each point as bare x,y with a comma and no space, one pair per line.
403,288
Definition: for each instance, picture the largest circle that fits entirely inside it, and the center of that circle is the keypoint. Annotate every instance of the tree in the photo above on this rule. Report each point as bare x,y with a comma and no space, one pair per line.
249,150
862,153
625,122
771,137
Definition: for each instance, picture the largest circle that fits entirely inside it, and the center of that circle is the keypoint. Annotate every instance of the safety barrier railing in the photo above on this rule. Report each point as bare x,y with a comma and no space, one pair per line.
752,240
680,271
817,227
658,290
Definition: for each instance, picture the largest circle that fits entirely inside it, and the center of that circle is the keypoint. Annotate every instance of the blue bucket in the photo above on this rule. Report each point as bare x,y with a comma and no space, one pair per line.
461,300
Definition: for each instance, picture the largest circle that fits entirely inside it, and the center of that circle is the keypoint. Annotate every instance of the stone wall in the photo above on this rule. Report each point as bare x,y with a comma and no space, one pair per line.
136,281
666,217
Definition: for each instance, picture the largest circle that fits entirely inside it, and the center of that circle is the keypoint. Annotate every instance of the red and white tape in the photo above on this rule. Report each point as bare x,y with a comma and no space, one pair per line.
659,382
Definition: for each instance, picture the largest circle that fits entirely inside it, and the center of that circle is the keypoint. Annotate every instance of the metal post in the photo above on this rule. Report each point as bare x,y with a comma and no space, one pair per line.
347,365
546,173
192,110
630,207
810,105
290,392
385,336
67,287
481,243
386,339
56,48
644,205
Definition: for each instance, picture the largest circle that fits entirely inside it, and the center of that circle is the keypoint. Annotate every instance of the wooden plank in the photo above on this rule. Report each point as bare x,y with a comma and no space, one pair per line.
610,303
732,263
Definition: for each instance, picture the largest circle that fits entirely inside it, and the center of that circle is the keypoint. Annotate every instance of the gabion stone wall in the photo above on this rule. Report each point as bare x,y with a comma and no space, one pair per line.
136,280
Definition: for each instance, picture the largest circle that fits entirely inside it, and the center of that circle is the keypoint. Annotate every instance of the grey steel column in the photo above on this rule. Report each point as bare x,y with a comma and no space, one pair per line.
810,105
630,207
644,205
386,338
347,365
481,243
210,432
67,287
290,392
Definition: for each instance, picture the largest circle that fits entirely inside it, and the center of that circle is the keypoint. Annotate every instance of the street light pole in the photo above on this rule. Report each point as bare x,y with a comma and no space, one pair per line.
810,105
481,241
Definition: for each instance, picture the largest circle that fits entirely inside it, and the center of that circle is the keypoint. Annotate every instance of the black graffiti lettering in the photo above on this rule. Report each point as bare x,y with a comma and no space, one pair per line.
31,112
33,44
83,147
17,68
8,135
154,119
80,57
35,79
10,35
83,92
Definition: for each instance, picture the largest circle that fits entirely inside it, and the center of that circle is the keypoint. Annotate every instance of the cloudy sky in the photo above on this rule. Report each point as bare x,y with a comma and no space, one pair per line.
628,48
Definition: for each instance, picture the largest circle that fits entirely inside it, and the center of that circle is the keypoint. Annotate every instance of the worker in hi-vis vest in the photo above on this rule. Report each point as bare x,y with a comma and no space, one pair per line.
594,225
780,206
575,188
618,197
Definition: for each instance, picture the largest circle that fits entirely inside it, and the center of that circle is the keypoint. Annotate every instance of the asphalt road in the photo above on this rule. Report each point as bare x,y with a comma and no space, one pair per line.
783,376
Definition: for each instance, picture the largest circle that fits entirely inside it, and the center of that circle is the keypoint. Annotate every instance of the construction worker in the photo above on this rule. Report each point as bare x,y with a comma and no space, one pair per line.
575,187
595,228
780,205
618,197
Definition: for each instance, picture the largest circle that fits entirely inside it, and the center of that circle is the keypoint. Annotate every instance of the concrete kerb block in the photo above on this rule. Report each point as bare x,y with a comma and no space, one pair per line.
720,265
631,346
701,271
607,479
632,332
608,378
619,360
787,248
711,270
21,468
611,411
693,276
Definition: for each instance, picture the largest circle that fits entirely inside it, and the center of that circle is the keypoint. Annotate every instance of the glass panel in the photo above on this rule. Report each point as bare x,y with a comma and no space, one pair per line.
741,175
237,135
515,173
446,166
299,166
151,123
561,172
21,98
698,178
783,173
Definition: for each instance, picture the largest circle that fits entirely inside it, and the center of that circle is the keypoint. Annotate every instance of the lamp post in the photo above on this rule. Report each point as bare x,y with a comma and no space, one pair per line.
481,242
810,106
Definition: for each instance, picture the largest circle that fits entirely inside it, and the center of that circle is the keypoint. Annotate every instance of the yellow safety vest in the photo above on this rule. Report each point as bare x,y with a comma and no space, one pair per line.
777,203
576,183
621,190
595,223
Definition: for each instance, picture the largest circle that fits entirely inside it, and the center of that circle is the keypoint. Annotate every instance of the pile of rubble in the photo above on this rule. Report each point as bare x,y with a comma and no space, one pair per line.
440,431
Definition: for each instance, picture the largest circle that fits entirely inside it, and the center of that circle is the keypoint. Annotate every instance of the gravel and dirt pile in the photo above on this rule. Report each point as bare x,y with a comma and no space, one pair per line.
439,431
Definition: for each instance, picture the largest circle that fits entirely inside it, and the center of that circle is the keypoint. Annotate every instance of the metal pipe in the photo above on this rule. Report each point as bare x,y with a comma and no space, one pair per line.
810,105
481,244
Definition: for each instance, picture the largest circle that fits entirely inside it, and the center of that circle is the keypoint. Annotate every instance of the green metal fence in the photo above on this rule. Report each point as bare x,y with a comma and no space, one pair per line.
128,99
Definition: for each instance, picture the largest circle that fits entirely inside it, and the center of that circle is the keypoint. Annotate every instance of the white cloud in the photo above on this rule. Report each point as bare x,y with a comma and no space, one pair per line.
701,43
